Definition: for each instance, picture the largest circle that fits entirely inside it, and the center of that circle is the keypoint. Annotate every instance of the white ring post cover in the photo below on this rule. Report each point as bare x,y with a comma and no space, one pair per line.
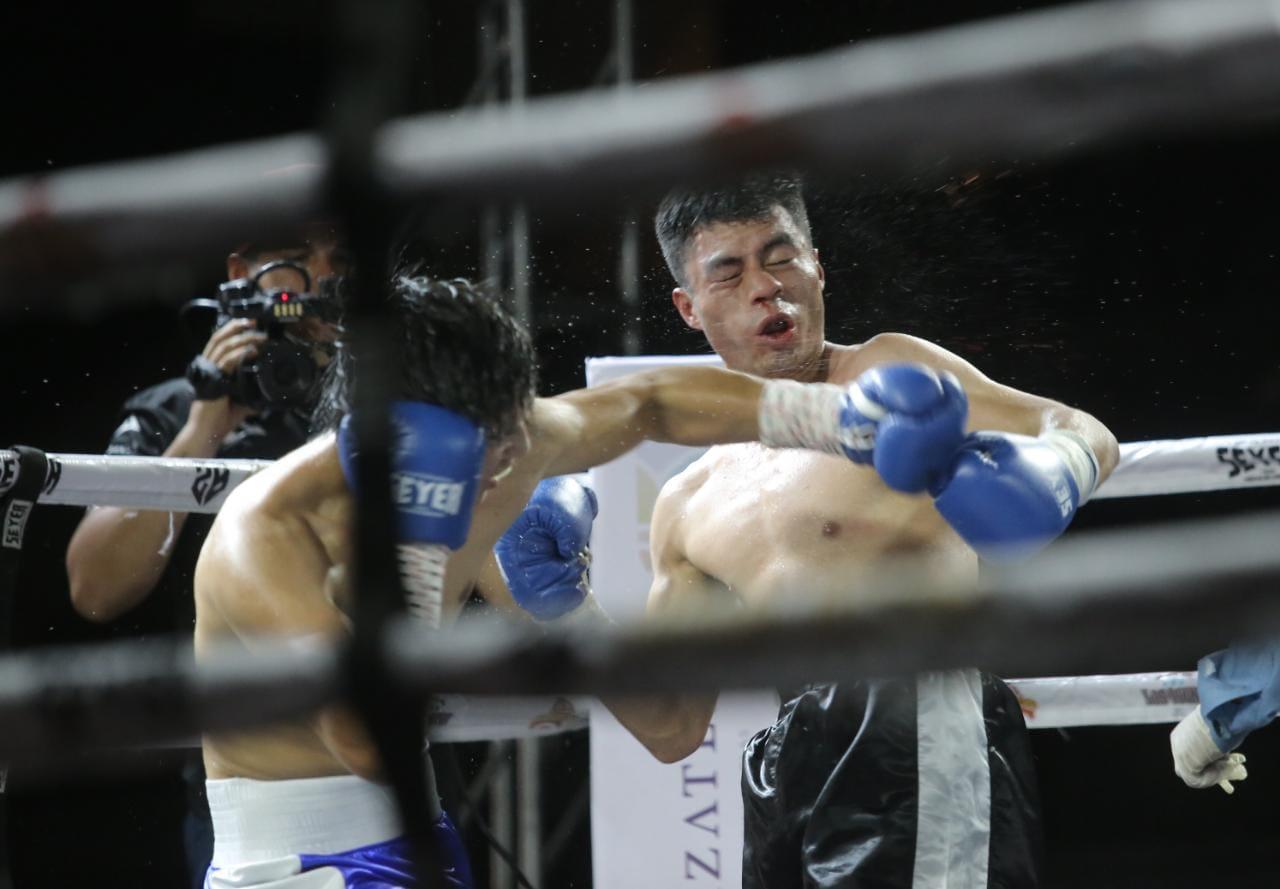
654,824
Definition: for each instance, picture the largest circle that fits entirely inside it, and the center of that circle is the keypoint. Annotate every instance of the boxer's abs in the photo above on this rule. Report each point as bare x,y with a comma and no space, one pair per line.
768,522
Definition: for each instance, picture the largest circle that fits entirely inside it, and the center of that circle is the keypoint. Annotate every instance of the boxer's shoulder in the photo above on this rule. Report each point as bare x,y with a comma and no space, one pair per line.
846,363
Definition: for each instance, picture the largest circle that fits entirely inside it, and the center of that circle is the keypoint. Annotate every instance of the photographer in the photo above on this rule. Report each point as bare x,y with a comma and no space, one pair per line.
236,408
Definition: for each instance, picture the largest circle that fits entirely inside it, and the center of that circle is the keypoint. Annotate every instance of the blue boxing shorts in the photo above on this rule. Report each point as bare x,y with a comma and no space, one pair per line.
339,832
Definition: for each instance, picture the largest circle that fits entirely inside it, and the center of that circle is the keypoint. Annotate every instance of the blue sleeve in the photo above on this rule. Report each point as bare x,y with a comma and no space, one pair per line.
1240,690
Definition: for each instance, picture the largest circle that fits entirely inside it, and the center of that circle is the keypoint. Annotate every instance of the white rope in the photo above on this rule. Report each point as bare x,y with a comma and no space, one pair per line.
1170,466
422,567
1056,702
1146,468
161,483
1195,465
1123,699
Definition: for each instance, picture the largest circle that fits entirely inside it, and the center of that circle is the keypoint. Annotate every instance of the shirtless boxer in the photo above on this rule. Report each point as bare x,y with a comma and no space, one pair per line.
278,551
870,783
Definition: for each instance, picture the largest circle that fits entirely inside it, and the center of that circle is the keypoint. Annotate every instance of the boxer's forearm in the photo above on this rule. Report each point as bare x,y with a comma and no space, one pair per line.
696,406
702,406
117,555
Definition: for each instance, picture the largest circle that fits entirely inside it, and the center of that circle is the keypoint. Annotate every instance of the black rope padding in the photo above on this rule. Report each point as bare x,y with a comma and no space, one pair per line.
32,469
375,51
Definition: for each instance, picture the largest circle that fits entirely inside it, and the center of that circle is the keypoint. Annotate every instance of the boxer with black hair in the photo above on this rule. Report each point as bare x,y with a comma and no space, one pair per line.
907,782
303,802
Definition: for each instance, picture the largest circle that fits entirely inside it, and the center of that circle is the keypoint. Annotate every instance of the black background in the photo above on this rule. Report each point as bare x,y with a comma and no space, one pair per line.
1135,282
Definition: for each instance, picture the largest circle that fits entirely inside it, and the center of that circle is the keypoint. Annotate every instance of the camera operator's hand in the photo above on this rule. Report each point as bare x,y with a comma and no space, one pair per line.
232,344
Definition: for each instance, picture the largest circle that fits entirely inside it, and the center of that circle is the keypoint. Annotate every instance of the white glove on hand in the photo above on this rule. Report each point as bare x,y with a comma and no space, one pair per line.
1197,759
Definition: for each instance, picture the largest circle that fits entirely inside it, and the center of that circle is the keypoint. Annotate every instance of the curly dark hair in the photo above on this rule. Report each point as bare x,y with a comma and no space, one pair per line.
455,346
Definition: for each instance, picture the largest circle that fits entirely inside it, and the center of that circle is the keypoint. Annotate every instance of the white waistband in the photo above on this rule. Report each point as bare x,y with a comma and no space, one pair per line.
256,820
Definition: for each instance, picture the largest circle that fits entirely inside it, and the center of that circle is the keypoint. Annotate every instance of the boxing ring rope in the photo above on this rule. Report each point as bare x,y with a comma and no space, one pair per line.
1029,85
1114,601
1146,468
1167,466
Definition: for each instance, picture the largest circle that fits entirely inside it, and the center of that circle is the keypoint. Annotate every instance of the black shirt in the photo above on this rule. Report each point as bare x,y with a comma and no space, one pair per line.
150,421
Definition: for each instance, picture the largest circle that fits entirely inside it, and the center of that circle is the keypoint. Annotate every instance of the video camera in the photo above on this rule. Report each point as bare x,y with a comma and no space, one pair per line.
284,373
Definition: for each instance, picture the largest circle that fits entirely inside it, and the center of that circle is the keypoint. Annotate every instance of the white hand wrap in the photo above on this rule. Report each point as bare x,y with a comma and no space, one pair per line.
422,568
801,415
1075,451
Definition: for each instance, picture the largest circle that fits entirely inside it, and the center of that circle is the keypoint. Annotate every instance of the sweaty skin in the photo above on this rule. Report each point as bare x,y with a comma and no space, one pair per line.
750,524
276,559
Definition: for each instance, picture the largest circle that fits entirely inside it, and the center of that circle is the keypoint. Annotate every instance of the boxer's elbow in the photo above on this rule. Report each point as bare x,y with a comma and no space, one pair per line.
673,749
680,735
101,597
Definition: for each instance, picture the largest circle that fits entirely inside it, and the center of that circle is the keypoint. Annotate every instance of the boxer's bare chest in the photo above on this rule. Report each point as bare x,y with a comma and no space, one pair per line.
766,522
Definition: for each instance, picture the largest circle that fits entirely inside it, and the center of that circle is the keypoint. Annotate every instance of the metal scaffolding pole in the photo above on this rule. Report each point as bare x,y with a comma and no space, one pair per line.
505,258
518,237
629,249
502,813
485,92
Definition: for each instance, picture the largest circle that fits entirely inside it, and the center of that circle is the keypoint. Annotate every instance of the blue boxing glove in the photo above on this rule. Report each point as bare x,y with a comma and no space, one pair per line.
907,420
1009,495
544,555
436,461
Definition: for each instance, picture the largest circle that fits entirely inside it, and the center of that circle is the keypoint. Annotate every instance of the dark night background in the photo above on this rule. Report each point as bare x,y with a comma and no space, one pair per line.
1135,282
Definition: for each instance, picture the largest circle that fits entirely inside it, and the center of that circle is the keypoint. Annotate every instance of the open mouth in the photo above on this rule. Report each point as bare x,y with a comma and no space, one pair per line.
777,325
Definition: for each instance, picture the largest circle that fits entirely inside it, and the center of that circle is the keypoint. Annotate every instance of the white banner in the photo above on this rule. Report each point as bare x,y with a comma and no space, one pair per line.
654,824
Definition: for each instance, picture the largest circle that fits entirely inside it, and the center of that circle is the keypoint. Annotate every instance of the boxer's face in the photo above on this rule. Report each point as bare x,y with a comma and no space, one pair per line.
755,290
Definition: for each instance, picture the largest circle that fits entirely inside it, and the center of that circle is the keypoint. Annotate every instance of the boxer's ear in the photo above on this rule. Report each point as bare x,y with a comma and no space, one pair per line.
684,305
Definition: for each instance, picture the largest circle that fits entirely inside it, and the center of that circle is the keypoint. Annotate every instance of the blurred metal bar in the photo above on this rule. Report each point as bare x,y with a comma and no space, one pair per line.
1032,85
518,226
629,248
502,814
528,786
1096,603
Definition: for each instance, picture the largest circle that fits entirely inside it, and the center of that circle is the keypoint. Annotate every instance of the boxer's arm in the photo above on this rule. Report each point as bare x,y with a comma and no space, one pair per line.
695,406
994,406
117,555
264,576
670,726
